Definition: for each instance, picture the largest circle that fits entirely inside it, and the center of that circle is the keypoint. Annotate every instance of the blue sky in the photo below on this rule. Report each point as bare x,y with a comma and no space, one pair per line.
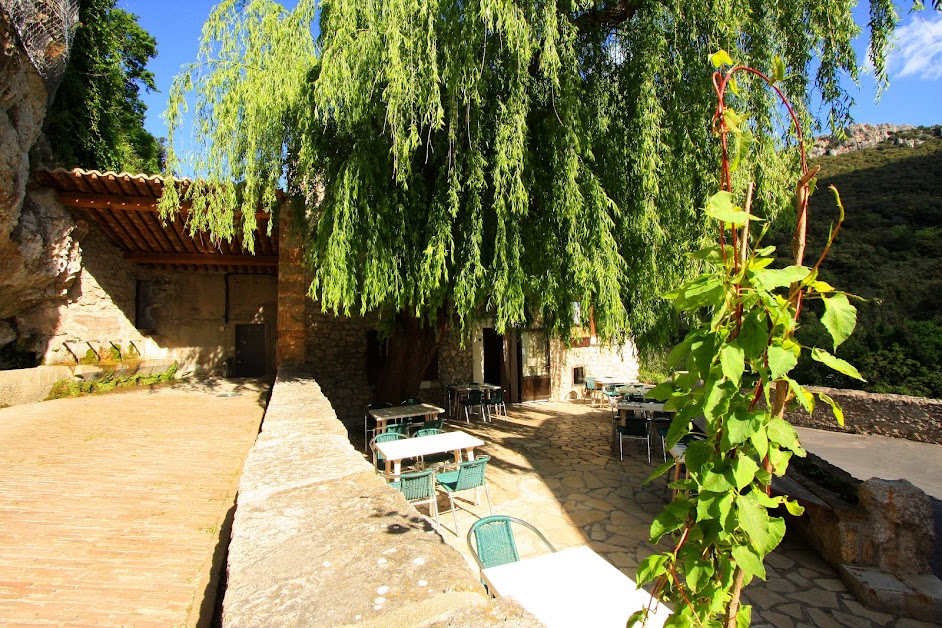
914,96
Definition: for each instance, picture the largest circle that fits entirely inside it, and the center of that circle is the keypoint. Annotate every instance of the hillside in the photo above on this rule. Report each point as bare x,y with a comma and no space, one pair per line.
888,252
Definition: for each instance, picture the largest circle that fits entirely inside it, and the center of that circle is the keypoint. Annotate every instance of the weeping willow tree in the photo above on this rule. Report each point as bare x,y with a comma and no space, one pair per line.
508,159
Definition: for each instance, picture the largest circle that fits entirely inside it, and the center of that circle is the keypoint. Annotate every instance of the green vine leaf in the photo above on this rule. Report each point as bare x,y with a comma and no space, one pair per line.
744,470
805,398
778,70
721,207
839,365
650,568
671,518
720,58
781,361
840,317
835,408
784,435
754,520
733,361
748,561
771,278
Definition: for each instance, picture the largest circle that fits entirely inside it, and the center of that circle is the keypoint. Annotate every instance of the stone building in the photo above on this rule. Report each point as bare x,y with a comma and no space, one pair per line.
150,288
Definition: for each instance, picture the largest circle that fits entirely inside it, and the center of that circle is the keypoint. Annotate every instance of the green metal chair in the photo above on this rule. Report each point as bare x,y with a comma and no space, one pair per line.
412,420
369,423
433,424
430,431
379,461
468,477
474,398
436,460
496,400
491,540
419,488
398,428
662,424
633,428
591,389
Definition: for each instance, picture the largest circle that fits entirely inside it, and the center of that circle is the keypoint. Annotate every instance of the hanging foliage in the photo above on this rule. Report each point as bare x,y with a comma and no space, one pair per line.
500,158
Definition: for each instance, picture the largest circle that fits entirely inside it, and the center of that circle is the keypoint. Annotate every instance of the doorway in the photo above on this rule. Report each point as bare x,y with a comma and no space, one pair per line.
534,361
250,350
493,357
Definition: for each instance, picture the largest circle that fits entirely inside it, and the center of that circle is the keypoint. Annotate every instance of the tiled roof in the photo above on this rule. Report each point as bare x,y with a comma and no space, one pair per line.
124,206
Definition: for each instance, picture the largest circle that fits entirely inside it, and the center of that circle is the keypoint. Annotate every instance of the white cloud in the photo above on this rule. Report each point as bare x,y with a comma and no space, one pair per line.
918,49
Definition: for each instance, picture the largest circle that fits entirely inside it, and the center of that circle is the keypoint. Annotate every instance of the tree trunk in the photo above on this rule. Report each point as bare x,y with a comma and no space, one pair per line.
412,346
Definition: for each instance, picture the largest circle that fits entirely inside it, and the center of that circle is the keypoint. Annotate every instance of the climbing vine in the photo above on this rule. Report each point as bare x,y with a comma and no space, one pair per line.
732,384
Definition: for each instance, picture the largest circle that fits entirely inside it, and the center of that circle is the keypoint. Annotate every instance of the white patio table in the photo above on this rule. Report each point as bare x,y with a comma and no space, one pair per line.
573,587
384,415
395,451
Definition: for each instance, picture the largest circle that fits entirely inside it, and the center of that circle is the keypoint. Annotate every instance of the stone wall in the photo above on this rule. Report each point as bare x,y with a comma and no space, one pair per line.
455,362
336,357
598,361
19,386
188,311
897,416
318,539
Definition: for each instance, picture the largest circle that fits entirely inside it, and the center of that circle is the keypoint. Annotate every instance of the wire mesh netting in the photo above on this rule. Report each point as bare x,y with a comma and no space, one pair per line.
45,28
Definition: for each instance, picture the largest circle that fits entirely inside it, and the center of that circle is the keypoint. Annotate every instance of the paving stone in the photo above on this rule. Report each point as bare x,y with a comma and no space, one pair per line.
799,580
779,560
778,619
792,610
764,598
823,620
851,620
857,609
914,623
830,584
816,597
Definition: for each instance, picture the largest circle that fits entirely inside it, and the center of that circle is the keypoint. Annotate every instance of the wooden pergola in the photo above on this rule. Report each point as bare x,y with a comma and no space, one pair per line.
124,206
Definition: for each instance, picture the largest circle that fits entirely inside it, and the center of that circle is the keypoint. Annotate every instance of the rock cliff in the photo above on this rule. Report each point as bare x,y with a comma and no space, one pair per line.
39,252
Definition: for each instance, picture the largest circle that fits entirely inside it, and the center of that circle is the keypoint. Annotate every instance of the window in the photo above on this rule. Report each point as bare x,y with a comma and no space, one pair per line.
145,305
578,375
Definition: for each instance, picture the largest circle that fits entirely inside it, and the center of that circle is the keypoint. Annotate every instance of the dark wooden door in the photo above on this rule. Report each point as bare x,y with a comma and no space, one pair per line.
534,366
250,351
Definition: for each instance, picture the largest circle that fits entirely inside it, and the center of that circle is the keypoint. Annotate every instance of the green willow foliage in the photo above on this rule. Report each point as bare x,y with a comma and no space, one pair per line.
500,158
97,117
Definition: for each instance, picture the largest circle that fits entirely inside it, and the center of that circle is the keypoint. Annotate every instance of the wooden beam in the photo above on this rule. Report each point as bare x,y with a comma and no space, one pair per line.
118,202
208,259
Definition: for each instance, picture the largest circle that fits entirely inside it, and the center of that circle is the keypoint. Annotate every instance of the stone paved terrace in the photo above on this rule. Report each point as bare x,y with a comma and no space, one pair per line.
112,507
551,464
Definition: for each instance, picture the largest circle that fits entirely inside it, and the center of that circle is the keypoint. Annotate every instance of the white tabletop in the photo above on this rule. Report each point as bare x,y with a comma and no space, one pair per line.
400,412
572,587
470,387
426,445
643,406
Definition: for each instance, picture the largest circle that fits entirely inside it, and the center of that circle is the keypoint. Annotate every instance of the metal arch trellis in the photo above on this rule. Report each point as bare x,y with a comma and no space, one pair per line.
45,28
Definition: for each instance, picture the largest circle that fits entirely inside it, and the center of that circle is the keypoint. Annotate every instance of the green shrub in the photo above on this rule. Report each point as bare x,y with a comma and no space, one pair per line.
108,382
90,357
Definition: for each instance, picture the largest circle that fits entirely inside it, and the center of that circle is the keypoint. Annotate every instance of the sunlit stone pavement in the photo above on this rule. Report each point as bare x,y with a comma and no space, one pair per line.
552,465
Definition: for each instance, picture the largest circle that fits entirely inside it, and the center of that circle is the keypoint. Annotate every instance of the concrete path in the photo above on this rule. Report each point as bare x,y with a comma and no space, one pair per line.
552,465
866,457
112,507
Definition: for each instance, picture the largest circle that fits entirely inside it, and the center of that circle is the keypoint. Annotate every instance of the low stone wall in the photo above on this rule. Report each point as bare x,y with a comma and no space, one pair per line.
318,539
897,416
21,386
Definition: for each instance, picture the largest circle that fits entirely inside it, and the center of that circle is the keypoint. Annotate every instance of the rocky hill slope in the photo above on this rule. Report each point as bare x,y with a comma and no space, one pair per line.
860,136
